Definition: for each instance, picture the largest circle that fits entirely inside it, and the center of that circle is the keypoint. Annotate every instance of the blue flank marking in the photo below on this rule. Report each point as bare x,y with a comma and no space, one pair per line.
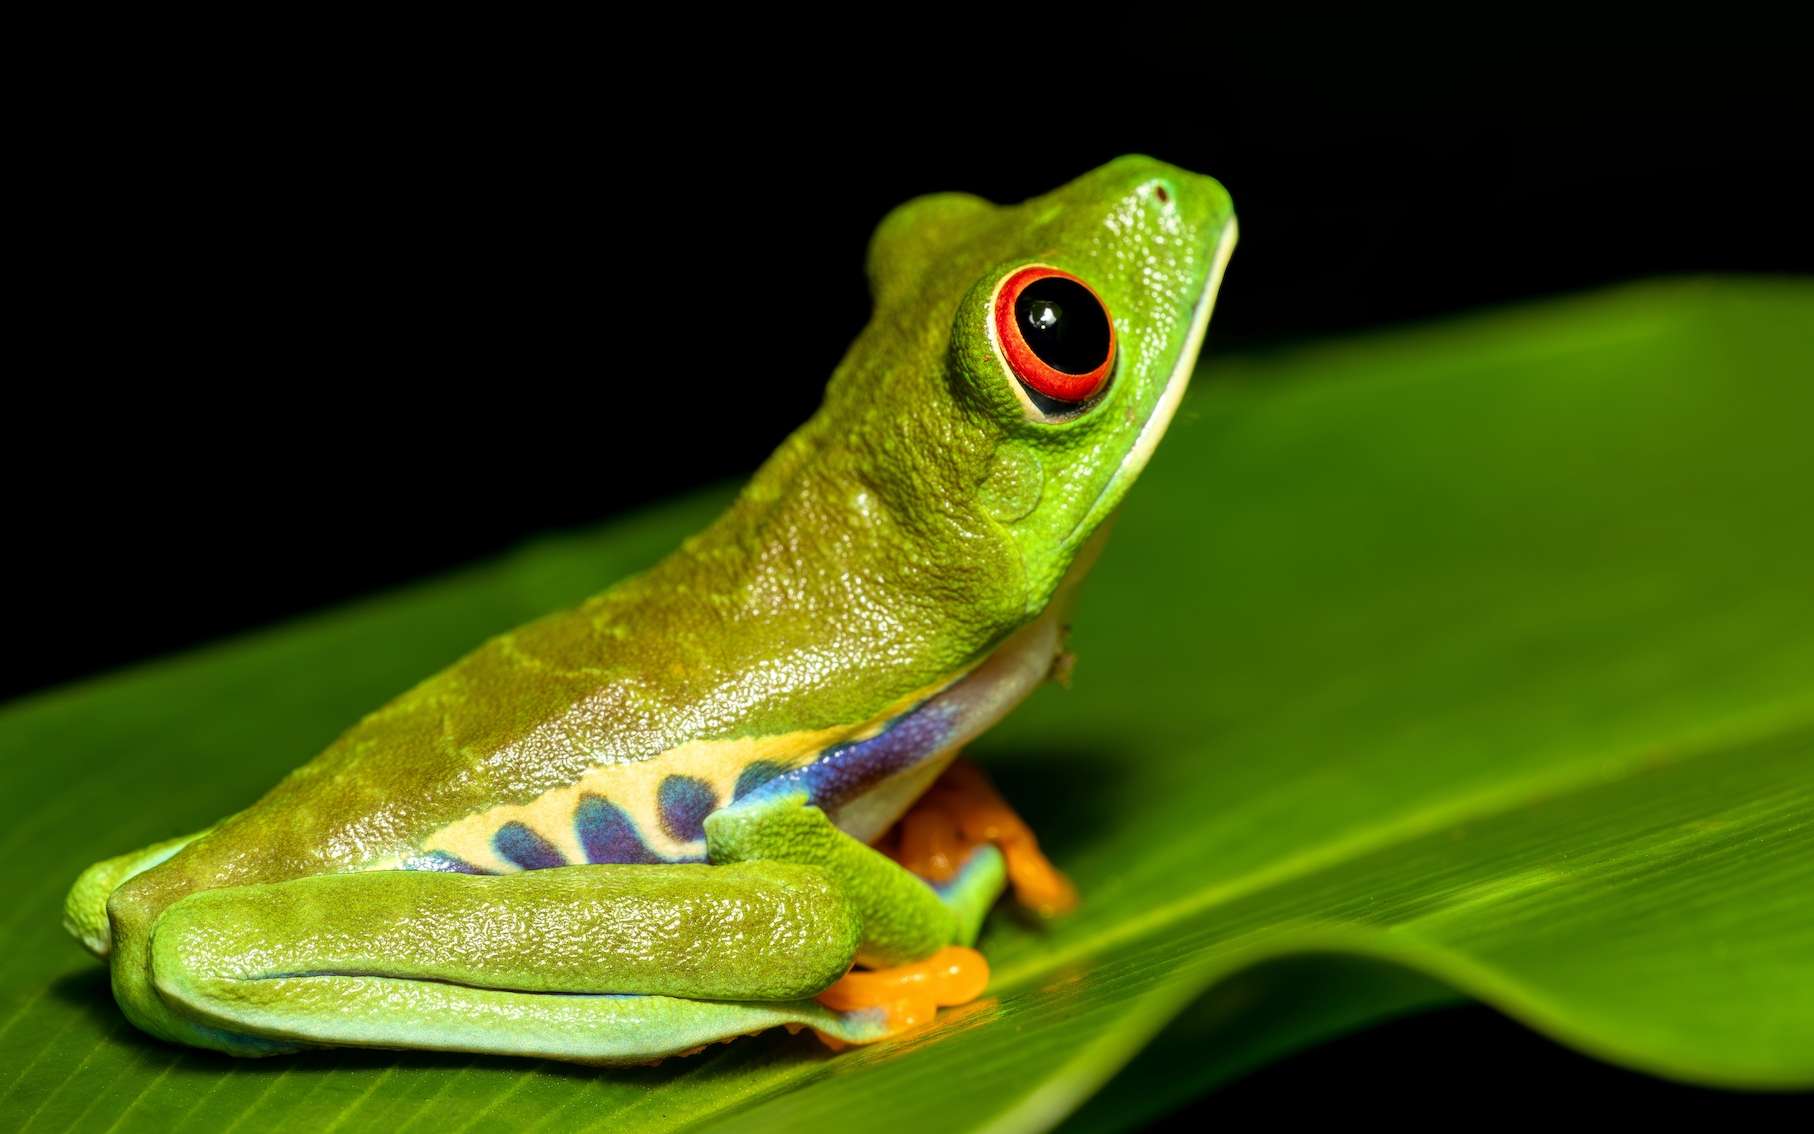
845,771
442,862
685,801
525,848
754,776
608,835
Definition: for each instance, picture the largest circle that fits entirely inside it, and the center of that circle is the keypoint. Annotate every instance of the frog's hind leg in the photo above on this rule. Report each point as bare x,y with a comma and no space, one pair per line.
597,964
85,909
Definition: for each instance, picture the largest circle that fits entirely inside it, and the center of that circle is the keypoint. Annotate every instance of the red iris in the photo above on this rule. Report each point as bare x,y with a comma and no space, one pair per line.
1055,333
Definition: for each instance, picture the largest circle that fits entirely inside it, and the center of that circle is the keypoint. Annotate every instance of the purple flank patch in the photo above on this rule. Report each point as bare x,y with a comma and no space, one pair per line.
685,802
525,848
848,770
443,862
608,834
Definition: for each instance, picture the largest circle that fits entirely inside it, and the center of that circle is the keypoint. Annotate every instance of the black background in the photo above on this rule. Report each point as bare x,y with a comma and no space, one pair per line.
310,342
302,340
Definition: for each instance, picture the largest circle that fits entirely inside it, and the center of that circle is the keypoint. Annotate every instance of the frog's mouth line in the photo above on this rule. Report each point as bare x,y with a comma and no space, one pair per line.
1175,385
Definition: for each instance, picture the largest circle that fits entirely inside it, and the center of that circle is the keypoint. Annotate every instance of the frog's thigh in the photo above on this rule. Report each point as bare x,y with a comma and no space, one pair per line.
590,963
904,918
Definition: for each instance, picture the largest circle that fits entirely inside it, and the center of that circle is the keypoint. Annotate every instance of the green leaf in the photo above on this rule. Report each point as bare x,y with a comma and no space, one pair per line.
1474,660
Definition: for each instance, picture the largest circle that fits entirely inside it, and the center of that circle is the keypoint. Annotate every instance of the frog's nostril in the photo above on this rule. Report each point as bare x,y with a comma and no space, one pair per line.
1162,193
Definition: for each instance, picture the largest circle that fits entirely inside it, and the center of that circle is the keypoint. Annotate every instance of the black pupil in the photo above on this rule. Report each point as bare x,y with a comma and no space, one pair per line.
1064,324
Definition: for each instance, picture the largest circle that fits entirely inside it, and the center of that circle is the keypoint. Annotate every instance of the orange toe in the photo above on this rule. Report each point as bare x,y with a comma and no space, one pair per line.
961,812
967,797
912,994
1038,885
930,845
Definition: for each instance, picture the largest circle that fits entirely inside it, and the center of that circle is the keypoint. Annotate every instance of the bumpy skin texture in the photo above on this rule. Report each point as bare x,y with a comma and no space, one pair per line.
919,520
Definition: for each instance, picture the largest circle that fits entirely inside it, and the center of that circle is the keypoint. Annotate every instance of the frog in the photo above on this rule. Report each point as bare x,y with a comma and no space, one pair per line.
727,794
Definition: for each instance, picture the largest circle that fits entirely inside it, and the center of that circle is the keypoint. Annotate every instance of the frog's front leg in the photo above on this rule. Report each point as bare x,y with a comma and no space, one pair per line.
916,932
595,964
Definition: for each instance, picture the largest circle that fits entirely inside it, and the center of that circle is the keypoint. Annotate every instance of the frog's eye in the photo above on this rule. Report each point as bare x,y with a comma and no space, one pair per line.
1055,334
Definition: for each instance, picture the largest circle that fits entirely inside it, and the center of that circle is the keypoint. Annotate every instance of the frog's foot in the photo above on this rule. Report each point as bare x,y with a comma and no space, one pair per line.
963,811
907,996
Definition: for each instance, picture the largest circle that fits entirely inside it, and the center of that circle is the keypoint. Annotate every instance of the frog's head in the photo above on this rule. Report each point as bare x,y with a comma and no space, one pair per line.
1024,360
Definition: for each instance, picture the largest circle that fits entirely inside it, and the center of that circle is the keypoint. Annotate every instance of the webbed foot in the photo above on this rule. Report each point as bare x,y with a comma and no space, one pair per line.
909,995
962,811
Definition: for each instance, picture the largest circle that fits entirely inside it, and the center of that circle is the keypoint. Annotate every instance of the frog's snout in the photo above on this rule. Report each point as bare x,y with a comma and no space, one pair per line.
1196,199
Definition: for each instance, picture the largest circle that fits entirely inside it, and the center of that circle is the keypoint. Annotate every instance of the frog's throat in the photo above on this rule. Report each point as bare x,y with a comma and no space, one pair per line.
1161,417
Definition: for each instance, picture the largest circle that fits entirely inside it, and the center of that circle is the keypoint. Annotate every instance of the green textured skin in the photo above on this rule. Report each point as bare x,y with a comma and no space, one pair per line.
923,515
765,931
902,918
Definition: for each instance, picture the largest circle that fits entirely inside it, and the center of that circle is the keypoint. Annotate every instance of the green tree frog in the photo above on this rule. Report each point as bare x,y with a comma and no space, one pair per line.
674,814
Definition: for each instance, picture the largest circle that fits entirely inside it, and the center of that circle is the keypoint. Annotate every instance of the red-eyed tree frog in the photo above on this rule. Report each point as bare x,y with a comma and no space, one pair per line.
674,814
